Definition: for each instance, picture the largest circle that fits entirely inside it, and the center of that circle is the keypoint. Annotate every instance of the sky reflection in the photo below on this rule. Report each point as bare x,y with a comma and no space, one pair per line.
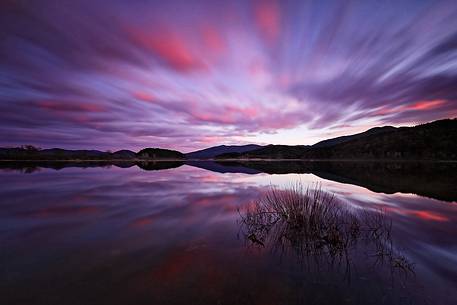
173,235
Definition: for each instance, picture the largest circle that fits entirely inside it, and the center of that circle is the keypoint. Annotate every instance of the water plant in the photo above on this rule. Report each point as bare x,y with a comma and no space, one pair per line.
313,223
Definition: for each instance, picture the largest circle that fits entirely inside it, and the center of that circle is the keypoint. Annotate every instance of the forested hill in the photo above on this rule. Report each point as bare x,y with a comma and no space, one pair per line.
432,141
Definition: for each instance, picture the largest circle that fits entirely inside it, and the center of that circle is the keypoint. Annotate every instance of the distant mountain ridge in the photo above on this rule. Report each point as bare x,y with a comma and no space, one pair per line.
344,139
431,141
59,154
269,152
212,152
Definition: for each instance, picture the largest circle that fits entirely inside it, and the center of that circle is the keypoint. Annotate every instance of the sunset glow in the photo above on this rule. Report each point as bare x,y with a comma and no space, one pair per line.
189,74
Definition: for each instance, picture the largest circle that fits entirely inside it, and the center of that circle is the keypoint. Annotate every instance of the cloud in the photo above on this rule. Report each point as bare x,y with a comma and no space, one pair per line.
182,75
425,105
66,106
213,40
170,48
143,96
268,18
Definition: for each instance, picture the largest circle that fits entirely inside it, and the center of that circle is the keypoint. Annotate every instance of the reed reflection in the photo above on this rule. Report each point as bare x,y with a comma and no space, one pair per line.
323,232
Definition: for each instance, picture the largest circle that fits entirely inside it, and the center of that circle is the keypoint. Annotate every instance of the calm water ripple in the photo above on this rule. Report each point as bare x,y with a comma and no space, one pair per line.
172,234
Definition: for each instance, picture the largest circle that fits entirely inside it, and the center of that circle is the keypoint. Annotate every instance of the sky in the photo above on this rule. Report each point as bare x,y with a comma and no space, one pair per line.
187,75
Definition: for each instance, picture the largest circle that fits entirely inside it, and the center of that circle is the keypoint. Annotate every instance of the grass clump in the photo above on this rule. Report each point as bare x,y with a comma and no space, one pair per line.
312,222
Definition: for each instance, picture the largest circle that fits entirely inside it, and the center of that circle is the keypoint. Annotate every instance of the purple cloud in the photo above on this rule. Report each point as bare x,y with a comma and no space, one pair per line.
185,75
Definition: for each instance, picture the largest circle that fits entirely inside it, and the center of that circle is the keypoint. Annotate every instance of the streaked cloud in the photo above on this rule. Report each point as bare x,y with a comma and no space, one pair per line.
187,74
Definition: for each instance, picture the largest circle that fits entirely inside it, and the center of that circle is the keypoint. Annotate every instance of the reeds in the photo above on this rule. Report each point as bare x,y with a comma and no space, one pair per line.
312,222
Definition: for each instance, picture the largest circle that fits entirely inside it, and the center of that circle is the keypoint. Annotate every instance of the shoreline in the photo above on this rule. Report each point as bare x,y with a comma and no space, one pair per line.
335,160
95,160
230,160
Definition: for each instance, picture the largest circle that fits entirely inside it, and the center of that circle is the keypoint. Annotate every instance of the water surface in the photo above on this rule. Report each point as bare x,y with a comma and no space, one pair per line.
171,234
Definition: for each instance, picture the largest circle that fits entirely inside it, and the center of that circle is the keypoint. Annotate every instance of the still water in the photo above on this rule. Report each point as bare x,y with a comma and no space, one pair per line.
173,234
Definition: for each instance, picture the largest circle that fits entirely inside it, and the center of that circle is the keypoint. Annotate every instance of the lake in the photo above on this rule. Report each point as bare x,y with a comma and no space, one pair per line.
175,233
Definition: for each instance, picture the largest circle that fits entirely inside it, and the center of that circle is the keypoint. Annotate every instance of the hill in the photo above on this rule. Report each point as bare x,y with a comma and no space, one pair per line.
432,141
160,154
31,153
269,152
211,152
344,139
123,154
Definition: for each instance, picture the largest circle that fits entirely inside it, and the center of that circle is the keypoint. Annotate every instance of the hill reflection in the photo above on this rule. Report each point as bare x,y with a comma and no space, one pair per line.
429,179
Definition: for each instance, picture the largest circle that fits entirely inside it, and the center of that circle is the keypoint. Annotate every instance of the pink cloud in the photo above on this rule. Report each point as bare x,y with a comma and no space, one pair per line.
416,106
211,140
213,117
248,118
267,18
425,105
213,40
169,47
143,96
384,111
248,112
65,106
